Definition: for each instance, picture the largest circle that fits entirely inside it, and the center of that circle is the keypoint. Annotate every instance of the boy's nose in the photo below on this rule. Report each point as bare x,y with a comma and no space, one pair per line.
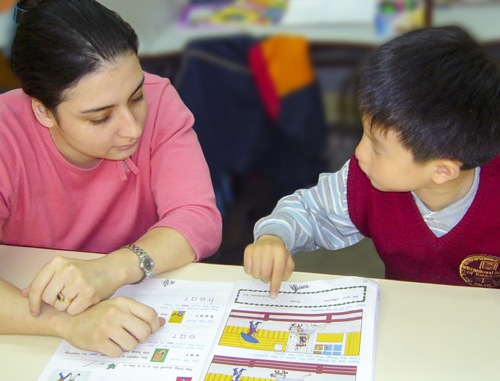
360,152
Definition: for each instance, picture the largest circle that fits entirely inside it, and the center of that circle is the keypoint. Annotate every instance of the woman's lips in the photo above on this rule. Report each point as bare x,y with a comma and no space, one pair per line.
127,147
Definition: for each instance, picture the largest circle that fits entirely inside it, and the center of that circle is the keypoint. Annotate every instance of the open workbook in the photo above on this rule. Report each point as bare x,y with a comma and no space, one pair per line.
324,330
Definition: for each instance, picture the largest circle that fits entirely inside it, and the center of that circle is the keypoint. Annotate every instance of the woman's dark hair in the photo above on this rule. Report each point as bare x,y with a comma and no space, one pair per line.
439,91
58,42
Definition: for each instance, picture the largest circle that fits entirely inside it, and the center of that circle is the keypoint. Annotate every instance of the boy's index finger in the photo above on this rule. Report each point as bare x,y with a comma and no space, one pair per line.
279,270
276,280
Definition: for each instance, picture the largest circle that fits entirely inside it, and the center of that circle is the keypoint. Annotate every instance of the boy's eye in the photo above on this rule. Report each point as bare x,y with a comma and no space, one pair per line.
100,121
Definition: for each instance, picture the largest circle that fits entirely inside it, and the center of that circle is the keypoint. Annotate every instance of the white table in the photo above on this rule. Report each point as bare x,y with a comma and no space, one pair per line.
426,332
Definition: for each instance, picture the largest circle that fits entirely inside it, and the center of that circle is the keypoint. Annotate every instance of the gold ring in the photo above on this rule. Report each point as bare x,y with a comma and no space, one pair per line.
63,299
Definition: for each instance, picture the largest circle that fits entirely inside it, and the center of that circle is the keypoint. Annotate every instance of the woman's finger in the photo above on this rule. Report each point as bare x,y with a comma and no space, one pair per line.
146,314
136,326
124,338
110,348
37,289
64,300
79,304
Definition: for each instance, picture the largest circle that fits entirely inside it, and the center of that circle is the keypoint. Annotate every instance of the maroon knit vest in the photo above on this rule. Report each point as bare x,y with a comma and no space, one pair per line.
467,255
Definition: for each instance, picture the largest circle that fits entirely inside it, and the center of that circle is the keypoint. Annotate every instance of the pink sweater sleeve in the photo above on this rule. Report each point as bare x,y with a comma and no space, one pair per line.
180,178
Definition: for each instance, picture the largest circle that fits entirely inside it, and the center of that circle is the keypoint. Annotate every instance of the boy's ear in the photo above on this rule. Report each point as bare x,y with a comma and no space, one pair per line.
446,170
44,116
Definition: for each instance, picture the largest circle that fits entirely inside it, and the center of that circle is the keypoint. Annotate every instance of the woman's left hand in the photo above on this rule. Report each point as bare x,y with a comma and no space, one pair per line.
71,285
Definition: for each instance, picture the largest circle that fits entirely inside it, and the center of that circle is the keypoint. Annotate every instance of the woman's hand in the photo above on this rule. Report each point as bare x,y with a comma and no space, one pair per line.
111,326
83,283
269,260
78,283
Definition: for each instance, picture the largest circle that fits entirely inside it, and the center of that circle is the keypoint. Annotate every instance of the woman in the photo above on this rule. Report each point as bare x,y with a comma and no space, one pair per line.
95,155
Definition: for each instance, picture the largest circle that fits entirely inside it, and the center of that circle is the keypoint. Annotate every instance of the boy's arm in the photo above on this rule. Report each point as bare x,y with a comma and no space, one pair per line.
307,220
314,218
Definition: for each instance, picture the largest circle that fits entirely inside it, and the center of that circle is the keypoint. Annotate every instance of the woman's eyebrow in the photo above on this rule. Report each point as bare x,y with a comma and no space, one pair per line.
97,109
138,87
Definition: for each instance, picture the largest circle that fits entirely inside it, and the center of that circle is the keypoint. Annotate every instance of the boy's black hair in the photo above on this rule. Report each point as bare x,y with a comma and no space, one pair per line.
58,42
439,91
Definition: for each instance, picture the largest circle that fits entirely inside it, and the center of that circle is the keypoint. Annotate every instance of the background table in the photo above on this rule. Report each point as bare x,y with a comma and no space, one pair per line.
153,20
426,332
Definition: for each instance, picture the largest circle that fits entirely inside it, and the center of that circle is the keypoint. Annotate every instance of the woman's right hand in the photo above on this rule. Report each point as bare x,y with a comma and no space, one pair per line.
111,326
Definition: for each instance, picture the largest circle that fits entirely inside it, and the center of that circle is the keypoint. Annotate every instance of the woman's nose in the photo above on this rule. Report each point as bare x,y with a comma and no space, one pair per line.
130,127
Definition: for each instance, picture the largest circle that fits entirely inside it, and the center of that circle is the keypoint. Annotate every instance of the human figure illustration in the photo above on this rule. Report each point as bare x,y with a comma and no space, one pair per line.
296,327
62,378
302,341
237,373
279,373
253,328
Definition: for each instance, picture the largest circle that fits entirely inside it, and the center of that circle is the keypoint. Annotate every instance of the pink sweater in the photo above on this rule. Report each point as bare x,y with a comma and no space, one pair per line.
47,202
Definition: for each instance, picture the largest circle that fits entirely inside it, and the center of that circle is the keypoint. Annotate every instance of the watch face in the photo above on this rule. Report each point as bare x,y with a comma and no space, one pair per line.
148,264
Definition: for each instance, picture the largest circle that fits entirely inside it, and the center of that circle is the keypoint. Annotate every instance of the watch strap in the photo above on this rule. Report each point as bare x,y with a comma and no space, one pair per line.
143,258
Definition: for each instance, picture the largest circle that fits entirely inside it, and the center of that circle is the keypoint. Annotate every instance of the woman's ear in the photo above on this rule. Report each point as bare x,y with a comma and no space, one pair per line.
44,116
446,170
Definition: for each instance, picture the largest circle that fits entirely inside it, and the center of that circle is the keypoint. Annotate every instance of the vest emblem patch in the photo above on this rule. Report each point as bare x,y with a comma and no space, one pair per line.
481,270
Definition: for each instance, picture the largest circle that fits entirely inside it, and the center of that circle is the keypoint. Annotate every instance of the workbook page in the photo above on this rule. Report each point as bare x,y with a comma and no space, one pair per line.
177,352
314,331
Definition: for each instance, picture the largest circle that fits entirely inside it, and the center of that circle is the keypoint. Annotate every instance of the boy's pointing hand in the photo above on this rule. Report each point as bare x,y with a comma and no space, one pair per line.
269,260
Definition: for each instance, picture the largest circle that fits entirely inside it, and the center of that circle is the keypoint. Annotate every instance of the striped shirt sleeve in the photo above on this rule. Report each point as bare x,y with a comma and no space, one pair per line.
314,218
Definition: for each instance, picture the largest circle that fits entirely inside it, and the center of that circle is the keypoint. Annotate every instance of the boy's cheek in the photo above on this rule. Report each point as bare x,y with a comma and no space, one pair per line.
362,166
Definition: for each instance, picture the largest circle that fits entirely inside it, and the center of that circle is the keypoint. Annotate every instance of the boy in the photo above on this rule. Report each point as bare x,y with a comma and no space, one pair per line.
424,181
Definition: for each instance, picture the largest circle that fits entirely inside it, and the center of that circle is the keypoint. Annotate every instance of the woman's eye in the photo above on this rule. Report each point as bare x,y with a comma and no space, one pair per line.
100,121
138,99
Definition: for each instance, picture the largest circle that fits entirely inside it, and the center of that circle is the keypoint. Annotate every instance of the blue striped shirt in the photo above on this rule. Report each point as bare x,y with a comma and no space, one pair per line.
318,217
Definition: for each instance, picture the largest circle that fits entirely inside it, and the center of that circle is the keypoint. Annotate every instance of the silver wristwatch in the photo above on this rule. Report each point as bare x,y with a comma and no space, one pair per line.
146,263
